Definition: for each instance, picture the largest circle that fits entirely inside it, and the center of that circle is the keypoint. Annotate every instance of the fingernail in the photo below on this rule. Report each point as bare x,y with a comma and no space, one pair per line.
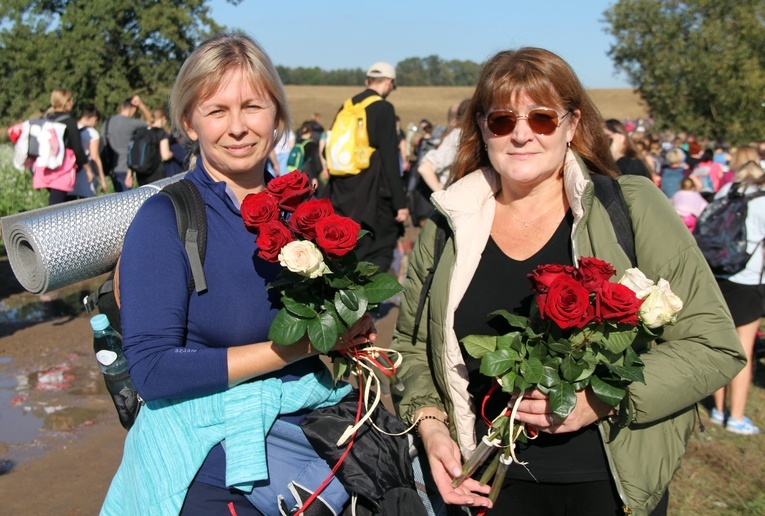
470,501
456,472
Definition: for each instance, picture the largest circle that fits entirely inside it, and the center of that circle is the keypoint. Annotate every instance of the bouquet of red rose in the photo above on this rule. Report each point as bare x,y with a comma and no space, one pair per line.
580,334
324,288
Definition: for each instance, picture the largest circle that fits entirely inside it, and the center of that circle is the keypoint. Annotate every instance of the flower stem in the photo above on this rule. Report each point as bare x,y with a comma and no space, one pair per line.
504,461
488,444
490,470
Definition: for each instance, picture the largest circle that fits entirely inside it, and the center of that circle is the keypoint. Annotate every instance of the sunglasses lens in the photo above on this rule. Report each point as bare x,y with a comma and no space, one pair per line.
501,123
543,122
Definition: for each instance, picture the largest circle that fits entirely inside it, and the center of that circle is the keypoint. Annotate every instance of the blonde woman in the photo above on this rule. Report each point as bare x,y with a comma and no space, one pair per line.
744,293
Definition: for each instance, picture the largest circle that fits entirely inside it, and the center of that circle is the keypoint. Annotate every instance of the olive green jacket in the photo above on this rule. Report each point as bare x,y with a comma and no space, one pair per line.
697,355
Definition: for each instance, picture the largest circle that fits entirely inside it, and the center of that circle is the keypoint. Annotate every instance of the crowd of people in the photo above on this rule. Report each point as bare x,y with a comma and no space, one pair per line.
512,173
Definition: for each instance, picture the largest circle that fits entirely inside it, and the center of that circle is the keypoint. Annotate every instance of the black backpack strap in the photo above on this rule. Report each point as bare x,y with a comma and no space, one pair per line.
191,218
609,193
442,233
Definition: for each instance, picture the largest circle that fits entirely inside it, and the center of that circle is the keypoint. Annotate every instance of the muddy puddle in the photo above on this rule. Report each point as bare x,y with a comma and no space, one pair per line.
51,392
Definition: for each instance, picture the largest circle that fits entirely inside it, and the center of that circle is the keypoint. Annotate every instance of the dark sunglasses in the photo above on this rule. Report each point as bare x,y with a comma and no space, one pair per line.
542,121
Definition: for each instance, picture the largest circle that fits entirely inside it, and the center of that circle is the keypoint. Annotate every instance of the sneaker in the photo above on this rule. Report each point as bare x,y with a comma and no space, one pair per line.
743,426
717,417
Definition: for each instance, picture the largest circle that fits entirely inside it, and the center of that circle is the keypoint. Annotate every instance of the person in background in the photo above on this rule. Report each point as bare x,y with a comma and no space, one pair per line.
674,173
623,150
179,163
61,103
161,139
85,184
227,100
312,165
375,196
522,196
688,203
709,174
744,293
120,131
435,165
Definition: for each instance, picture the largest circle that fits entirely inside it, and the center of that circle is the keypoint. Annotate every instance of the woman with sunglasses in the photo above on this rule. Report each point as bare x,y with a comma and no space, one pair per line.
522,196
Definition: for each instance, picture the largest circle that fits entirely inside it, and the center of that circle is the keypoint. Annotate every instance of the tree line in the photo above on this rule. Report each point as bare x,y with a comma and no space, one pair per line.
698,64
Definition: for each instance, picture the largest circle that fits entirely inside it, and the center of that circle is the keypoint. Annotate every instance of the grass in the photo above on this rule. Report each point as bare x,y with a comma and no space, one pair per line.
722,472
18,194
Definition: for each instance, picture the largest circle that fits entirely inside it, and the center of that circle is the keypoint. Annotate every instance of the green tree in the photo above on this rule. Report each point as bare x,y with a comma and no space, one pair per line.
699,64
103,51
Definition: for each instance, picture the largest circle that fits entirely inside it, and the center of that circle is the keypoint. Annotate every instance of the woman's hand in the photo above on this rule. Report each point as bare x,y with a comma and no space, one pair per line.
534,409
444,458
362,332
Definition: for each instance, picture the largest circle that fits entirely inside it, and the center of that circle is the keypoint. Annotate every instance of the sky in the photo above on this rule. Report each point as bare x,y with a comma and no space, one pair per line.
335,34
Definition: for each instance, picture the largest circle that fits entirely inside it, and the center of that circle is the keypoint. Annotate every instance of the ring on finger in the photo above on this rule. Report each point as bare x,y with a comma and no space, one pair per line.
550,418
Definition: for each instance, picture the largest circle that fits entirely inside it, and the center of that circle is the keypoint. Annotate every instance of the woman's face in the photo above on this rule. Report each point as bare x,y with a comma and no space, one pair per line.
234,127
522,156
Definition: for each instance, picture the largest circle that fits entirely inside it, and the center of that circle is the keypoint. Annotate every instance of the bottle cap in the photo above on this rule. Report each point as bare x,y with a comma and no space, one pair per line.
99,322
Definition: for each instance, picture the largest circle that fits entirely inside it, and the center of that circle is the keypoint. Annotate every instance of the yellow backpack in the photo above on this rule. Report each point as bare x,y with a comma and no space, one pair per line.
348,150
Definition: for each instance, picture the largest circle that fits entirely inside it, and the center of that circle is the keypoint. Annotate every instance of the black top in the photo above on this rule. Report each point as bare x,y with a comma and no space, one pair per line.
500,282
632,166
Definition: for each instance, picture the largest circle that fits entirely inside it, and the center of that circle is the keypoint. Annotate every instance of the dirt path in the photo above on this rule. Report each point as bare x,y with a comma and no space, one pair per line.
48,378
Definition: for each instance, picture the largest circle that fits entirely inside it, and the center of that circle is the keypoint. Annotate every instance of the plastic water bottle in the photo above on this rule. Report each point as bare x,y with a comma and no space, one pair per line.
107,343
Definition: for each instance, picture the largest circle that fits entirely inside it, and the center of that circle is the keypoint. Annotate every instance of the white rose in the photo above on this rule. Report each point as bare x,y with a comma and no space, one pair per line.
304,258
661,306
635,280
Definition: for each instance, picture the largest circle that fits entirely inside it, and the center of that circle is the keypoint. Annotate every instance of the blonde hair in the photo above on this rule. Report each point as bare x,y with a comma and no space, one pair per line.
675,156
744,154
549,81
751,171
200,76
59,98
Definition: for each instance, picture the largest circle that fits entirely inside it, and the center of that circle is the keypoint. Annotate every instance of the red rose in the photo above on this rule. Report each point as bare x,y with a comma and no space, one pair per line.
337,235
291,189
304,220
272,236
593,273
566,303
259,208
617,303
544,275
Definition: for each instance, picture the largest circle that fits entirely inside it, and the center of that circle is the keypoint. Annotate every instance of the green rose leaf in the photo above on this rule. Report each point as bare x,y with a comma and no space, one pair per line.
618,341
381,287
348,298
606,392
631,357
571,369
339,368
516,321
581,384
362,233
562,399
538,351
532,370
508,340
345,312
322,332
298,308
338,281
287,328
508,381
496,363
629,374
479,345
560,346
366,269
521,384
550,377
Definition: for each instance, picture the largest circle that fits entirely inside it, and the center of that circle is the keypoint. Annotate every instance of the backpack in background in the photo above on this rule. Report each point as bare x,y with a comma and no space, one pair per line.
348,150
720,232
39,143
297,156
143,156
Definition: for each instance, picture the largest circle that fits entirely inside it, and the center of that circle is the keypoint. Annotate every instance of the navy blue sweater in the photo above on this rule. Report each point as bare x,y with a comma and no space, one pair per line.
176,344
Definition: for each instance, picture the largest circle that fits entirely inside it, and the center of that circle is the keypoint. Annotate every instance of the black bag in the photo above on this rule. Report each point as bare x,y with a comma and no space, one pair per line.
720,231
378,466
143,156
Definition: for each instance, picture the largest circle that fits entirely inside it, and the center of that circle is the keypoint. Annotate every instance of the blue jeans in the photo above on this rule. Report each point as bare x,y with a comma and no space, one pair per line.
118,179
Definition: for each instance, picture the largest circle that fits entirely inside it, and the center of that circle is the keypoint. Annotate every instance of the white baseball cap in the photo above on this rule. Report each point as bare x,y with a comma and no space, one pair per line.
382,69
